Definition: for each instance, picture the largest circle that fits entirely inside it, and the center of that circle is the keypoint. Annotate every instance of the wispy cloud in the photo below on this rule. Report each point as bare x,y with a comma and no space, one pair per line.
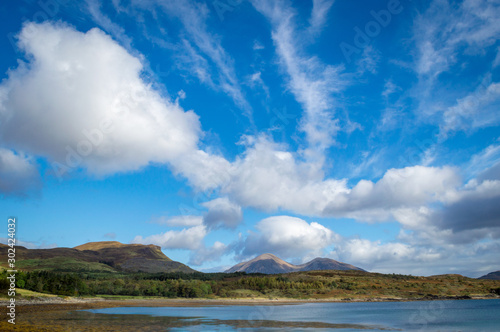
193,17
311,81
444,34
476,110
318,17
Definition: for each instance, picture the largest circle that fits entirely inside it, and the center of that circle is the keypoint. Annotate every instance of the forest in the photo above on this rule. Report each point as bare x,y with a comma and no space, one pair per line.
301,285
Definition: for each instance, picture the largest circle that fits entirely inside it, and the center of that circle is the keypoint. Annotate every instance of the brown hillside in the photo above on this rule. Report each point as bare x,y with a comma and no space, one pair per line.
110,256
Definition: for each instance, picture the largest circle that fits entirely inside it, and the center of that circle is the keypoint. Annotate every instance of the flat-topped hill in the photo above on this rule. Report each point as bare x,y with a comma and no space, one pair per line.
106,256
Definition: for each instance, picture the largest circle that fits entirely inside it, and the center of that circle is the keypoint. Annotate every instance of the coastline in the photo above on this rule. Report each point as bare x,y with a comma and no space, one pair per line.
187,302
63,314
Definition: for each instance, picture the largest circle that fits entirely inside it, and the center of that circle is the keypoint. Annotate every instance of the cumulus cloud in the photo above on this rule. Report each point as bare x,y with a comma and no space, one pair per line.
210,254
18,174
188,238
222,213
269,177
80,101
470,214
369,254
287,237
203,170
409,186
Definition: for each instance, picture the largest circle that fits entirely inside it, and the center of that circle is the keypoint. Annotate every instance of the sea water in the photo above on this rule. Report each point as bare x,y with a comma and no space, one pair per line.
450,315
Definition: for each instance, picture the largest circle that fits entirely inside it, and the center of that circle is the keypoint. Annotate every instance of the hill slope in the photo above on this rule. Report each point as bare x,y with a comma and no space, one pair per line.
270,264
491,276
107,256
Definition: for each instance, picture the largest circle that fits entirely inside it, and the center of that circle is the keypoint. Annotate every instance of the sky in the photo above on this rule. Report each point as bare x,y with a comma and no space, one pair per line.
363,131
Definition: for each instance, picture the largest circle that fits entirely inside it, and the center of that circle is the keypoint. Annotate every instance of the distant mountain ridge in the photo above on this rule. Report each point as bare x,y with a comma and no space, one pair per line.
491,276
105,256
270,264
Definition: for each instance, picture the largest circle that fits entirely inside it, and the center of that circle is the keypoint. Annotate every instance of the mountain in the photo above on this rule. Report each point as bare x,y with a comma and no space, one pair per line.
270,264
326,264
106,256
492,276
266,263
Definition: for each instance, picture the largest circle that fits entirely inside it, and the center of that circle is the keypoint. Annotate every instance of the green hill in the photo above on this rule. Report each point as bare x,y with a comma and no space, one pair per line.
107,256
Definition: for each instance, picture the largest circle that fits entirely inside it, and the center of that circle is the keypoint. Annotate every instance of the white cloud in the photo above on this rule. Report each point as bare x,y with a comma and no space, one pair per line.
368,254
203,170
222,213
270,178
466,214
287,237
188,238
180,221
80,101
210,254
18,174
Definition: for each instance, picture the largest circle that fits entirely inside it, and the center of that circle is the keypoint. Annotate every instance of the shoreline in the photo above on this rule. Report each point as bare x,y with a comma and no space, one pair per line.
99,302
75,314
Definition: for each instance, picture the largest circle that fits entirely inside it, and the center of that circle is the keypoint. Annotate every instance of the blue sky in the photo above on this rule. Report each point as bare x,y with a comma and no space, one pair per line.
366,131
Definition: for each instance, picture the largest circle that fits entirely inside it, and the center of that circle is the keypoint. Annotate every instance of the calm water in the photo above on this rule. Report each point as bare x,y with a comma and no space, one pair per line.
469,315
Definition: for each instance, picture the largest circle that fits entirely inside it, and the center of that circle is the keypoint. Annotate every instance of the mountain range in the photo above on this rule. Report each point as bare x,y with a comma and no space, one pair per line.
270,264
492,276
105,256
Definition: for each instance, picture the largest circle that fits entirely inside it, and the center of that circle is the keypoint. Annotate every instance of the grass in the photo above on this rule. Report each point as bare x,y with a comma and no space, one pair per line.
24,293
62,264
31,294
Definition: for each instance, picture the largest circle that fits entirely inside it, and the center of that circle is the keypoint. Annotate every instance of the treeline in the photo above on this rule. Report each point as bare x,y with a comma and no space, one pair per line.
172,285
49,282
295,285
